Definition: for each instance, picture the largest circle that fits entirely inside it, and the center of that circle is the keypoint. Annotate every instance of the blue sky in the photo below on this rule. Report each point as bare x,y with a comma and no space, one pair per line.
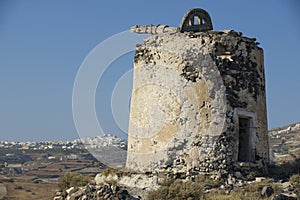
43,43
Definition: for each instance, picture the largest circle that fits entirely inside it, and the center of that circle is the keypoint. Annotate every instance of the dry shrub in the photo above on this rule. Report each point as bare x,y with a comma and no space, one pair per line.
177,190
72,179
295,181
108,171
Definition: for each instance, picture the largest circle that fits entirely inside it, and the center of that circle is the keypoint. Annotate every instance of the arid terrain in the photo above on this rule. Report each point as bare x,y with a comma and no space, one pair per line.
285,143
32,171
38,178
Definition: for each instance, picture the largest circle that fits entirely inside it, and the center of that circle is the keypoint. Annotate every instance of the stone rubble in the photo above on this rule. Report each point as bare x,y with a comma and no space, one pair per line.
132,186
96,192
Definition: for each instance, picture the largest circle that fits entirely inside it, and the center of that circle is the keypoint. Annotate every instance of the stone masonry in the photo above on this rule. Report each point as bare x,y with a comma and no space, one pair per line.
198,100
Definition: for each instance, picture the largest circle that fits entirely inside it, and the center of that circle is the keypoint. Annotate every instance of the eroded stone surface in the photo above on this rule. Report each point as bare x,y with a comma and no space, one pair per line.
191,93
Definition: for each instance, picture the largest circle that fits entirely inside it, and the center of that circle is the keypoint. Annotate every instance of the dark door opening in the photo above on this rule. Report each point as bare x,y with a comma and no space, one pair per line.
245,148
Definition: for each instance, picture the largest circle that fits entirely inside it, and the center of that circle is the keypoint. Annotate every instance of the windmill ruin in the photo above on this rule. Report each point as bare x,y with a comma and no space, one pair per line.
198,100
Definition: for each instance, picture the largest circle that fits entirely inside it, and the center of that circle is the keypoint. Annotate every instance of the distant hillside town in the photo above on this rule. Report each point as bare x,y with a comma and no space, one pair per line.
33,157
95,142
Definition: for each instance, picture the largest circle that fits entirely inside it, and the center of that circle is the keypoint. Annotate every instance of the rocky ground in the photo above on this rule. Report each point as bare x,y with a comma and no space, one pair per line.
282,183
40,178
285,143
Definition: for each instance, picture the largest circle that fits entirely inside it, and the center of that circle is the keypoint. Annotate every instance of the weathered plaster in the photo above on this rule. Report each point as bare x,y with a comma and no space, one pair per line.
188,90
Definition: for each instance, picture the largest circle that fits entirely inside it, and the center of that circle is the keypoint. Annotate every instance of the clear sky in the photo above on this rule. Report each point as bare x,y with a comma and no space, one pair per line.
43,43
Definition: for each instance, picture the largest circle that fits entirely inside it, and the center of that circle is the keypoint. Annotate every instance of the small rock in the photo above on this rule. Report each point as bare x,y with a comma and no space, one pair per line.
58,194
267,191
78,193
238,175
284,197
123,194
84,197
285,185
227,191
102,179
240,183
71,190
259,179
107,196
208,187
229,187
231,181
99,194
101,190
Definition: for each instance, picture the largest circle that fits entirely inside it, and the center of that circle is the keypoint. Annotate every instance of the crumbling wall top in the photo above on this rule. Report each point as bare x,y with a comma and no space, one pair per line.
195,20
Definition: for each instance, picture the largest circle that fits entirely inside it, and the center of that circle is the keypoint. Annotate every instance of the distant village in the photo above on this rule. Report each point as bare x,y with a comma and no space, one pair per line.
99,141
16,157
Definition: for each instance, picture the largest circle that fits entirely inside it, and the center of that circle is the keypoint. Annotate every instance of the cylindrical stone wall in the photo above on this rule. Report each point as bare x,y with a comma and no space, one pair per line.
190,90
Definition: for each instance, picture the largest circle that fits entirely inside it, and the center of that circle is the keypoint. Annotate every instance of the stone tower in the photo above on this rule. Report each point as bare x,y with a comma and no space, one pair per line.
198,100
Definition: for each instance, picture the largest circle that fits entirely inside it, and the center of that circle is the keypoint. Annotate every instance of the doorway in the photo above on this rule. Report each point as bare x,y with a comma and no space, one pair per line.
245,153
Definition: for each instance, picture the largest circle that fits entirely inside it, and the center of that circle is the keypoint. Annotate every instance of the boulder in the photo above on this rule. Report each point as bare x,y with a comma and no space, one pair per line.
139,181
102,179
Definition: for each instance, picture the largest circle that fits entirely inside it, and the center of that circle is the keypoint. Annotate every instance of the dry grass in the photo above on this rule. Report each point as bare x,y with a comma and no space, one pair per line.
179,189
249,192
194,190
29,190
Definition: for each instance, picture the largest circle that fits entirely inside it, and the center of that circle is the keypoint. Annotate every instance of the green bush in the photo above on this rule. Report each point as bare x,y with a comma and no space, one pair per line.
72,179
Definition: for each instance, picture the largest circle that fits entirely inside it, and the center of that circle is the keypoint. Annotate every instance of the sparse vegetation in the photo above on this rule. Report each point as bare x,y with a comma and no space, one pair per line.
177,190
72,179
295,181
25,186
256,187
108,171
190,190
286,170
251,176
181,189
205,180
249,192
